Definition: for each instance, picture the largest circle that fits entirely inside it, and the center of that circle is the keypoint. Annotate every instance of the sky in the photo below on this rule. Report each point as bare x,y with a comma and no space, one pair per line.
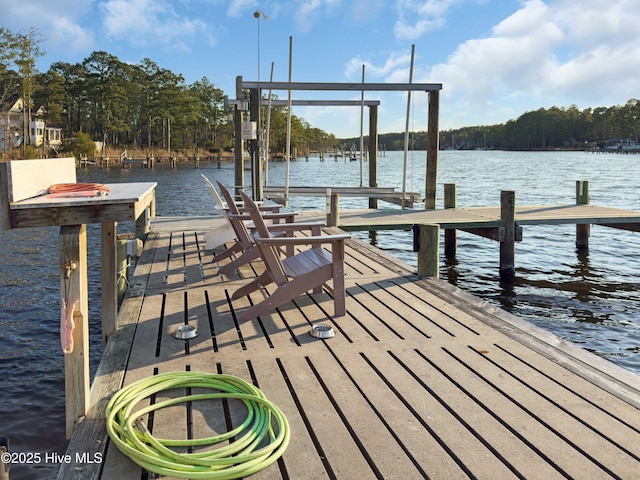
495,59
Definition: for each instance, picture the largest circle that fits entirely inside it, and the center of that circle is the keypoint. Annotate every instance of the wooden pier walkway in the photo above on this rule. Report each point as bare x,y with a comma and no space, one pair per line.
485,217
421,380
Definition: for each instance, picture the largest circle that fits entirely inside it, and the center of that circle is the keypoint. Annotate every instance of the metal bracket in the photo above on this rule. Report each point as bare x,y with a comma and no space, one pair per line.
69,266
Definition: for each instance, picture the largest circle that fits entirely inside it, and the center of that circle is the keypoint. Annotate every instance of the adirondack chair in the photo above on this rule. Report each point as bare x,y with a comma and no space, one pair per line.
310,269
245,246
223,233
229,233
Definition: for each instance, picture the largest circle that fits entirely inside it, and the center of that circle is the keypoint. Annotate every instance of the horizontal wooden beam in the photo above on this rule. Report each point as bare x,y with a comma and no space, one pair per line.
50,216
348,87
321,103
495,233
633,227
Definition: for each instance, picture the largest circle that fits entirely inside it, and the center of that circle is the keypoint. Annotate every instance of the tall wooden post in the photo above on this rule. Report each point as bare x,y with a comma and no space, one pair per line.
108,280
5,211
74,287
122,269
429,240
239,143
508,242
432,151
256,157
373,152
333,209
450,234
582,231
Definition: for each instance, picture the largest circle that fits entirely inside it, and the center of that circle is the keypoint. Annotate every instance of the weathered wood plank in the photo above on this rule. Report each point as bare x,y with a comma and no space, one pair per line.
74,299
421,380
108,279
90,436
29,178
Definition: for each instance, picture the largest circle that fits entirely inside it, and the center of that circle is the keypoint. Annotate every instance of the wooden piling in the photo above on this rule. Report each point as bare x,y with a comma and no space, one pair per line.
238,152
429,248
122,266
508,240
450,234
583,231
5,464
333,209
74,287
373,152
5,211
432,151
108,281
142,225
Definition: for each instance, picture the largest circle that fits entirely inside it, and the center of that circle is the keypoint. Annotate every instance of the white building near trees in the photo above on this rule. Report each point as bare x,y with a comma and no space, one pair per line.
13,133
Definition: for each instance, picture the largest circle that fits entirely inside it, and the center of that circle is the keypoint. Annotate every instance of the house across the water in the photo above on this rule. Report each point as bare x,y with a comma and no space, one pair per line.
13,134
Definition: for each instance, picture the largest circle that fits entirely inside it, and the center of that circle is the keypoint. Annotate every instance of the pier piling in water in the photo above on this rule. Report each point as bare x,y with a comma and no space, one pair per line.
428,249
583,231
508,241
4,465
450,234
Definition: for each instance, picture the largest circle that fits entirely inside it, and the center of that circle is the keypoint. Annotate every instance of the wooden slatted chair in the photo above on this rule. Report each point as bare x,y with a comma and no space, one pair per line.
245,246
309,269
224,233
238,234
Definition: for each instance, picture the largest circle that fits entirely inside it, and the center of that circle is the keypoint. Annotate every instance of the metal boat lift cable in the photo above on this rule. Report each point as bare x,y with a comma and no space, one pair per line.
266,162
288,154
362,132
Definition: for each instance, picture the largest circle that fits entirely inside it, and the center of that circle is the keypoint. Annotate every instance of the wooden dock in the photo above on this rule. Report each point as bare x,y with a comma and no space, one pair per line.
421,380
485,217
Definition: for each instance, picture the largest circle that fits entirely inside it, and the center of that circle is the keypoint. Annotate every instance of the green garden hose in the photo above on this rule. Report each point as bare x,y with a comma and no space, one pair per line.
246,455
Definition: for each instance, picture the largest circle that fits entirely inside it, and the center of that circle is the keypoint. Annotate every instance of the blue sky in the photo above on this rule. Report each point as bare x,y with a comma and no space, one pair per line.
496,59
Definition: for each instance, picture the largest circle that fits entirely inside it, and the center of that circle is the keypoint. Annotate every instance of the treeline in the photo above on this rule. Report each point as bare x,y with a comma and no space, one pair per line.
123,105
543,129
553,128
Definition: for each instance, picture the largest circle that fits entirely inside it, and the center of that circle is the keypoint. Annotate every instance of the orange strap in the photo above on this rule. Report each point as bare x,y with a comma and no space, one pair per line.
77,187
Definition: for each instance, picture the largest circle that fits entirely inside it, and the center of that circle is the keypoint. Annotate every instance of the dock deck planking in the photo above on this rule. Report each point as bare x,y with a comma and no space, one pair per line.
417,383
480,217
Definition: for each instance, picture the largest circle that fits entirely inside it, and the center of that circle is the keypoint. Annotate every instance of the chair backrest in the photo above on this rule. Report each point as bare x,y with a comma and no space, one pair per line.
226,194
270,254
242,233
220,206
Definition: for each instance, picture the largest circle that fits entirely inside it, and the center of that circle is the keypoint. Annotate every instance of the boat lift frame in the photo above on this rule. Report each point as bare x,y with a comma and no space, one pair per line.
255,93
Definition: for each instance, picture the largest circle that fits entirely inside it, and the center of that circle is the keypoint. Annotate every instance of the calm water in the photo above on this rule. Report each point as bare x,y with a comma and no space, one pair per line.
592,299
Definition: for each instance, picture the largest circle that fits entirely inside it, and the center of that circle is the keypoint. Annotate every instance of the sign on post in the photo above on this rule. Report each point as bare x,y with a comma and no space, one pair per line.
249,130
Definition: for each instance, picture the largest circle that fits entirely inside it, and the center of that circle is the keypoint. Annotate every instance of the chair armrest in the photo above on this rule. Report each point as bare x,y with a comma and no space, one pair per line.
284,241
279,216
270,208
267,216
263,208
295,226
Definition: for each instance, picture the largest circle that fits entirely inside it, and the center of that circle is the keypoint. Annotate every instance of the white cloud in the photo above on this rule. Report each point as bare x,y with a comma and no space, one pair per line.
26,13
394,62
143,22
415,18
309,10
56,21
546,53
72,36
237,8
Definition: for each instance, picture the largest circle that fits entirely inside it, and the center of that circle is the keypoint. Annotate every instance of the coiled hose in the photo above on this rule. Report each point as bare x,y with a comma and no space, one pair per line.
241,458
